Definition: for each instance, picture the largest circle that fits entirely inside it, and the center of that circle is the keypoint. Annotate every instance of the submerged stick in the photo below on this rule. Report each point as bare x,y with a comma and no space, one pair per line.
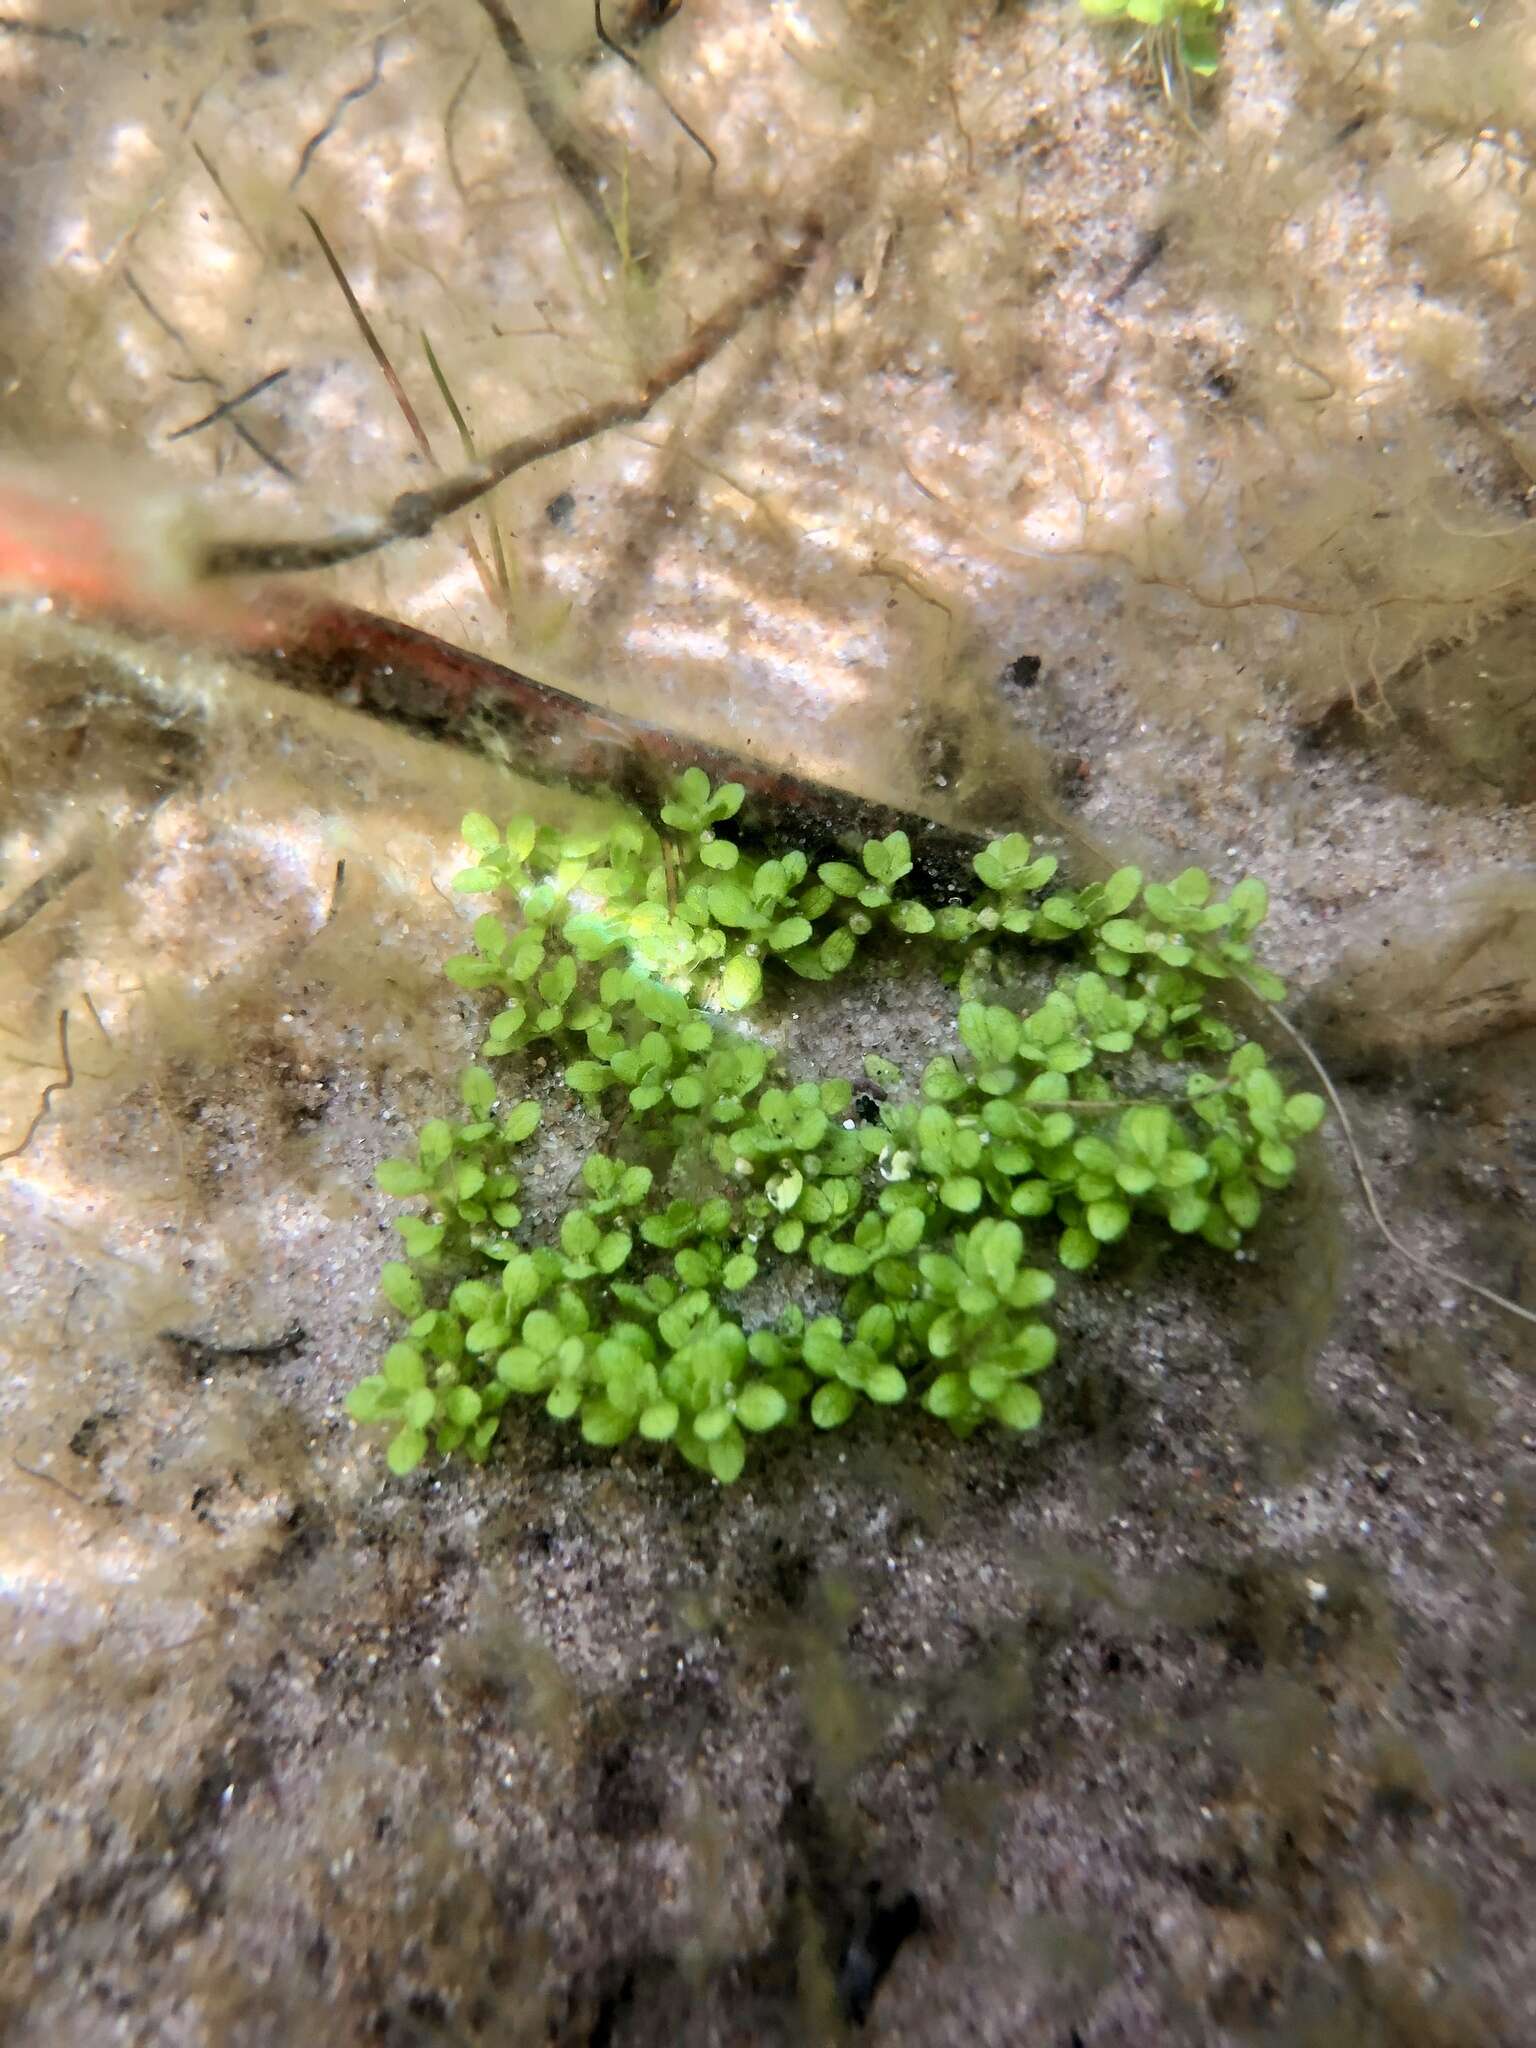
396,672
375,347
414,514
581,171
227,406
45,1101
627,57
397,390
39,894
411,678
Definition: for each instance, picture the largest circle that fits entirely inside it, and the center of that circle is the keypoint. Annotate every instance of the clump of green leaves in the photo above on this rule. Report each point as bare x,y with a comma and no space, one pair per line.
1093,1089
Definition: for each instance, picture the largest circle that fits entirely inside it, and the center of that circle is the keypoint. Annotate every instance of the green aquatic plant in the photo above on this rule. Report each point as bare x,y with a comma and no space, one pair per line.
1181,37
1094,1089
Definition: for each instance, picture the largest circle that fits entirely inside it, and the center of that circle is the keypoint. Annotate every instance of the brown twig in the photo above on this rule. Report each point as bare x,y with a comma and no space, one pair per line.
226,406
411,678
47,1478
227,196
174,333
336,888
413,515
401,397
86,998
348,98
256,1347
39,894
450,115
1152,246
11,26
584,176
467,446
397,390
53,1088
627,57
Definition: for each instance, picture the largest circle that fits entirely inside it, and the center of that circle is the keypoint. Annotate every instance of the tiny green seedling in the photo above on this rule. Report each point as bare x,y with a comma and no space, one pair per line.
1122,1101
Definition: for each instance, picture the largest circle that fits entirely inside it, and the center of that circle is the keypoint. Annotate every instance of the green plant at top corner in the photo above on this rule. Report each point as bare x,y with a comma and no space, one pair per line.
1121,1100
1181,37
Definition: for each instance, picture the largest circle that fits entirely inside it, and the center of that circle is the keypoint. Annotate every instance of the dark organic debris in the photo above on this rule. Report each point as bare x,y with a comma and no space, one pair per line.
226,406
200,1352
353,93
871,1948
1022,673
39,894
53,1088
414,513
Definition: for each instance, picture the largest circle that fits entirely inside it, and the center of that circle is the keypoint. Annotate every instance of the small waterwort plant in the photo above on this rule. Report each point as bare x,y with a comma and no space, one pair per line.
1093,1089
1181,38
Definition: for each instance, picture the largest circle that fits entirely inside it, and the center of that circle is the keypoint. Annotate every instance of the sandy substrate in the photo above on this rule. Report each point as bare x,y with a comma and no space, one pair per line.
1172,481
